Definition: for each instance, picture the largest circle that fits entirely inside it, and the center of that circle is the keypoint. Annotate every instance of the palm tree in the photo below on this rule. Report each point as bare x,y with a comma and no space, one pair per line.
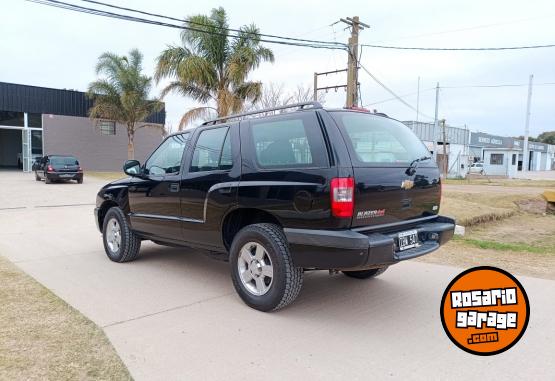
212,66
123,94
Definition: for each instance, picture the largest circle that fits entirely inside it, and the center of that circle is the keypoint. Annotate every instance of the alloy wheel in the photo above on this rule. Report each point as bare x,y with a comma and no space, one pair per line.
255,268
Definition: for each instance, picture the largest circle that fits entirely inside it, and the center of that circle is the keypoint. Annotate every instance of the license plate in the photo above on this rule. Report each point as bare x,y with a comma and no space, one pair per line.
408,239
66,175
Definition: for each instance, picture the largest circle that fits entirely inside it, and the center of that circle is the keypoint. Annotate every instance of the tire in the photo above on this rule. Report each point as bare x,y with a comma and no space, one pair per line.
255,248
80,181
37,178
47,180
129,243
365,274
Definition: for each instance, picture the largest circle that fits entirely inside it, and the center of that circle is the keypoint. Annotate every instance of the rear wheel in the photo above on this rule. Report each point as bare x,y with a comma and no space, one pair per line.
365,274
120,242
80,181
47,180
262,270
37,177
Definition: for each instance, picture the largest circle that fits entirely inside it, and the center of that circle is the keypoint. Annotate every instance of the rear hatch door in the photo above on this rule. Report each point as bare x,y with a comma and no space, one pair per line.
64,164
395,178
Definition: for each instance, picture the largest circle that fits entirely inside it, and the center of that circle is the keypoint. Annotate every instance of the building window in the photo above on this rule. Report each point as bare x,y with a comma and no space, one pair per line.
514,158
36,142
107,127
496,159
34,120
11,118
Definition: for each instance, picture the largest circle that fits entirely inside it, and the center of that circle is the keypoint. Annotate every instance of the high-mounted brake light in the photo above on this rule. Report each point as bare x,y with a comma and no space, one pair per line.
342,192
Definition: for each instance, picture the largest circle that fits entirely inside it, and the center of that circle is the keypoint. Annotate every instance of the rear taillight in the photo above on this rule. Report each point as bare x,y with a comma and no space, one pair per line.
50,169
80,169
342,192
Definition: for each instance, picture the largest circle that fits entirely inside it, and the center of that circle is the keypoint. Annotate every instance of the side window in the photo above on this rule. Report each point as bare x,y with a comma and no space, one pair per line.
293,141
167,158
212,151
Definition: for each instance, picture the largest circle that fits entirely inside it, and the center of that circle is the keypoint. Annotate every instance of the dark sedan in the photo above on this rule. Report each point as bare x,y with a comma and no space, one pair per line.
58,167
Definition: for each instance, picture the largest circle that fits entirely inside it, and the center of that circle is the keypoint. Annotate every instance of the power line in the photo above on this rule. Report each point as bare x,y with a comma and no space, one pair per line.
462,29
400,96
98,12
201,24
460,49
400,99
499,85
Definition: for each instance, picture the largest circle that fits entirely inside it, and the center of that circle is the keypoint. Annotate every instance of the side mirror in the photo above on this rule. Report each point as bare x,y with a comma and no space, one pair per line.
132,167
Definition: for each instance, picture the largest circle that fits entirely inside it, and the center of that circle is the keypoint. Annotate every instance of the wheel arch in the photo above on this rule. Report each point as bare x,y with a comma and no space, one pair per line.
112,197
238,218
102,210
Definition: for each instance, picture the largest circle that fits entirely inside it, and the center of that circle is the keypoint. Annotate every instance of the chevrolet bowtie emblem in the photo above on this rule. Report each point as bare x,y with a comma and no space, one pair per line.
407,184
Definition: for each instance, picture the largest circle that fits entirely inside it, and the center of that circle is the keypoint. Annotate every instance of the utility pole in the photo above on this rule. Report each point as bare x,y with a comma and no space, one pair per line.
315,96
352,69
525,152
436,122
445,161
418,99
326,88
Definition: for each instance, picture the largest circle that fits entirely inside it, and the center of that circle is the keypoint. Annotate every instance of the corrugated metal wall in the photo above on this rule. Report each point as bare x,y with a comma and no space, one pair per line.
43,100
425,131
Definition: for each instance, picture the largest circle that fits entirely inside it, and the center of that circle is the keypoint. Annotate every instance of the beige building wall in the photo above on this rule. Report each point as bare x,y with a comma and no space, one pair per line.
79,136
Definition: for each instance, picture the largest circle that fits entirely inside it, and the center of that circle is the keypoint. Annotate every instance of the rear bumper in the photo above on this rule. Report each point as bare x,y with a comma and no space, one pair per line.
348,249
64,175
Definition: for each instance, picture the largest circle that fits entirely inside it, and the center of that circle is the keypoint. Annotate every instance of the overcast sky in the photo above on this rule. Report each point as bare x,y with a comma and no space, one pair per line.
52,47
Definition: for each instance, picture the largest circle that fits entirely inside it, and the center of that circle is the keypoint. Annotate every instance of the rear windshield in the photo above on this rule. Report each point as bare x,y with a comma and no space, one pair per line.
377,140
64,160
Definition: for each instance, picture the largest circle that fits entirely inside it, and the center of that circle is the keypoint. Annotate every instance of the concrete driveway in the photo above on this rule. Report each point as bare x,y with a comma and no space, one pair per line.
173,313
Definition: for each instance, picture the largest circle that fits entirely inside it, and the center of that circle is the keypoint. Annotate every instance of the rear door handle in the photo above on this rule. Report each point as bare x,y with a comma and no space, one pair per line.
225,190
174,187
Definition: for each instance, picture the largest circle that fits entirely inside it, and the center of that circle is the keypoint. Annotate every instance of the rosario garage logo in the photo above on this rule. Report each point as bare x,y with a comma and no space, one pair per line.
484,310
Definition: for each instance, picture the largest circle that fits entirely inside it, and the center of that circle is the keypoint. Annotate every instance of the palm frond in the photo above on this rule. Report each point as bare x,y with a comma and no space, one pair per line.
196,113
168,61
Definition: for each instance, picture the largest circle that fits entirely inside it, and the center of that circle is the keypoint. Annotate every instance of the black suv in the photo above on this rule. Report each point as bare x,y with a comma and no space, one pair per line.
340,190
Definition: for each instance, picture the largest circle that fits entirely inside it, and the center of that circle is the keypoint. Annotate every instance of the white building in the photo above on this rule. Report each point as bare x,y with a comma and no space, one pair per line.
456,147
501,155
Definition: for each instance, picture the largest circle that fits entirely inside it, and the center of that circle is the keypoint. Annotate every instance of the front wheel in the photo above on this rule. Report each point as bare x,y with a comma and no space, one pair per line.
365,274
262,269
120,242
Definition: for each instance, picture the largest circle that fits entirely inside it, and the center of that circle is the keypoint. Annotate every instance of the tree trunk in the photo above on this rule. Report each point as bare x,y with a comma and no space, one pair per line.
130,142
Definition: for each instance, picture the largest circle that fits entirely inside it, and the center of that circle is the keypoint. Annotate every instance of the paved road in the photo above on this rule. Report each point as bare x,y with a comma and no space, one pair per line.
173,314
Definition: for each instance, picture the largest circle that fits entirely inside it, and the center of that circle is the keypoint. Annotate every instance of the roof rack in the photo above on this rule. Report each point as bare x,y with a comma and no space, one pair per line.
299,106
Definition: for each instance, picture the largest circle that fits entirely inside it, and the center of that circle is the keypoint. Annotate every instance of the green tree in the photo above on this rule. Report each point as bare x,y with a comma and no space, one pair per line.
212,65
122,95
547,137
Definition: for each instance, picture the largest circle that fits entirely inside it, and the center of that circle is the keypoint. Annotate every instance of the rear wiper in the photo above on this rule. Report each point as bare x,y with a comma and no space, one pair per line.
411,170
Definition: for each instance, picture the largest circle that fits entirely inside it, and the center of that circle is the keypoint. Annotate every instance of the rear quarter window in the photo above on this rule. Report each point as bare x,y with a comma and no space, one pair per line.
292,141
375,140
